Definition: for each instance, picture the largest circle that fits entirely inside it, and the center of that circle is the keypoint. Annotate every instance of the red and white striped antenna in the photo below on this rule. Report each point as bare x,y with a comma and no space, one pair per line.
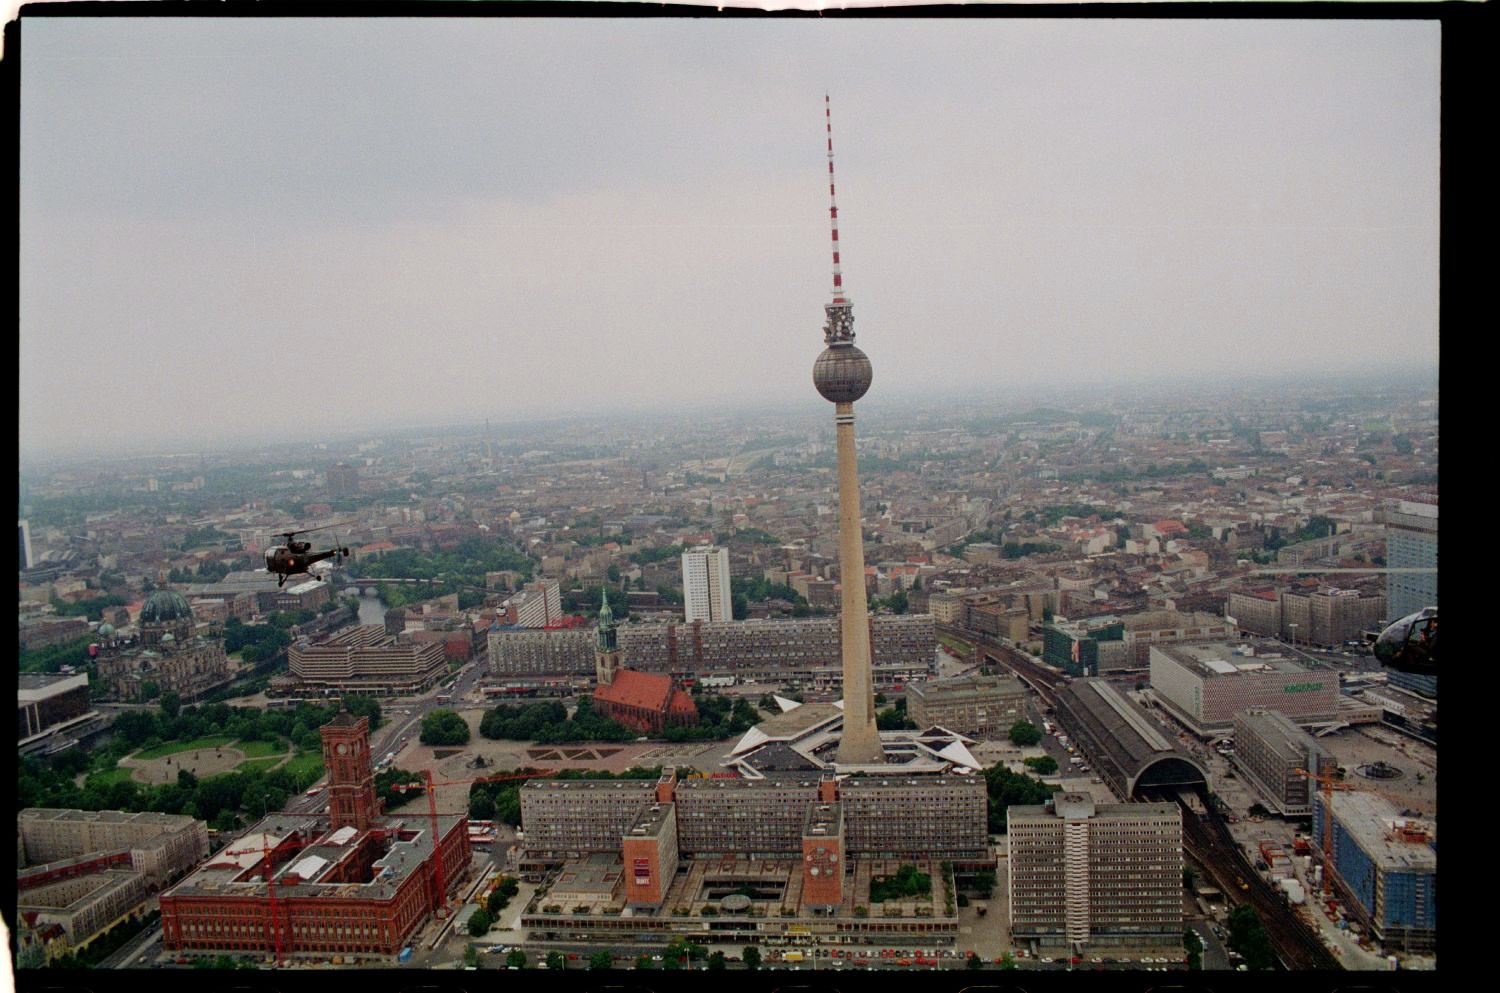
833,207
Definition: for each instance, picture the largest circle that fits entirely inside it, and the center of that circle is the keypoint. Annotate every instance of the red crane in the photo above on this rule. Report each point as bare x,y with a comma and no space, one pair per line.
427,784
266,850
1329,783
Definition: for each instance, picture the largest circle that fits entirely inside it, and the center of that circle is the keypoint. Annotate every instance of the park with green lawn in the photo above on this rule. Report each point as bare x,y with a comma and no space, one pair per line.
218,763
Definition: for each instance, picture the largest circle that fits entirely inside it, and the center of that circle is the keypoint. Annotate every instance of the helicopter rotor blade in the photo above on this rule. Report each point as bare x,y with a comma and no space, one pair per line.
323,527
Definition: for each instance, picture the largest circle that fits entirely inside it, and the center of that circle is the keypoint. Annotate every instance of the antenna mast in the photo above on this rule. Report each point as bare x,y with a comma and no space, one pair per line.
840,326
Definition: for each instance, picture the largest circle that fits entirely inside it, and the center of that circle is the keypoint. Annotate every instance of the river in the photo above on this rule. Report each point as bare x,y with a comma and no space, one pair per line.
371,610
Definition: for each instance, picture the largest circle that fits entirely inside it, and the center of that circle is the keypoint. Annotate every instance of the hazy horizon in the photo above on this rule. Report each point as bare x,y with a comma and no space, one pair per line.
875,410
308,228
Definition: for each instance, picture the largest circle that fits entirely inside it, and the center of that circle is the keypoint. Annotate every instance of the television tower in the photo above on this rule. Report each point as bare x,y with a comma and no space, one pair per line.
842,374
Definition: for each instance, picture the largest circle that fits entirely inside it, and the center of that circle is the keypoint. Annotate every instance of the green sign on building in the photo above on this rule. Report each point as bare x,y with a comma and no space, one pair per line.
1301,687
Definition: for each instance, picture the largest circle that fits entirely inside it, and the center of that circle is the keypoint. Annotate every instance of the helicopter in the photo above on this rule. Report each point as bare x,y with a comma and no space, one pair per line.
1410,644
295,557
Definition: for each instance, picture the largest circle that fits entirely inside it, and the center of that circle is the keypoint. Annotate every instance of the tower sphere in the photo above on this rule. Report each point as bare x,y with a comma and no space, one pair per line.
842,373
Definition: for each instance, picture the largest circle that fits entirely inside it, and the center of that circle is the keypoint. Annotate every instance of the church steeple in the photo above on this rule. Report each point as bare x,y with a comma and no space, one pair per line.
606,625
607,653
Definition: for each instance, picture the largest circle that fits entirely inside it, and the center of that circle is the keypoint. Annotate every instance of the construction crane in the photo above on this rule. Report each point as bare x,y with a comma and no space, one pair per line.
265,851
428,784
1329,783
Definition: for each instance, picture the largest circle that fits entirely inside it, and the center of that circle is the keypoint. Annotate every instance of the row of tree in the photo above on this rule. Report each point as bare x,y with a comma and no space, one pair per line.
549,723
93,608
53,657
718,718
489,911
220,800
209,571
173,722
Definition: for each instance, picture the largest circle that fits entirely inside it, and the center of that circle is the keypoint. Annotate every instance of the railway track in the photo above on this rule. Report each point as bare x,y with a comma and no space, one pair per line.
1207,841
1042,679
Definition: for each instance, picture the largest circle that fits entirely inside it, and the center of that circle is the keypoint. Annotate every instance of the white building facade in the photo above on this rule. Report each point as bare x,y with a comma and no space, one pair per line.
705,584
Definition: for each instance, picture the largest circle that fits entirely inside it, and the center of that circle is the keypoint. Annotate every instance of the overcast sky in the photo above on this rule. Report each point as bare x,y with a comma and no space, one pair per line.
235,227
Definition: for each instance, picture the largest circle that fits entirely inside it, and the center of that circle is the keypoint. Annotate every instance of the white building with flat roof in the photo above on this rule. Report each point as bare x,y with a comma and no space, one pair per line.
1205,685
705,584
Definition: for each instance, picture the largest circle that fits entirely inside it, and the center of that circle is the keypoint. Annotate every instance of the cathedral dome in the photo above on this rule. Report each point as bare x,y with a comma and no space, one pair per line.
164,606
106,630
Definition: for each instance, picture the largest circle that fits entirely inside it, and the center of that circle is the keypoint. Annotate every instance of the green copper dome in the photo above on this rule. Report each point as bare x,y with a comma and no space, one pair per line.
164,606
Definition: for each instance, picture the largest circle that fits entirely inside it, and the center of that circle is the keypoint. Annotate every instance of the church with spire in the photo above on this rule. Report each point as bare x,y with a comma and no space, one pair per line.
644,701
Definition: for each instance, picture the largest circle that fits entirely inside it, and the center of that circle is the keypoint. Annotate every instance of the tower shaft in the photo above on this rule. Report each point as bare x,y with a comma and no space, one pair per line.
860,744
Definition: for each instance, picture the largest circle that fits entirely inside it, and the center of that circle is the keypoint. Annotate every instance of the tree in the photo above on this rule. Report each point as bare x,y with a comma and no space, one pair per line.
601,960
555,960
892,719
364,706
1042,765
897,601
716,962
516,959
751,956
974,962
1024,733
1248,937
444,727
907,882
471,956
1006,788
1194,946
1007,961
171,704
479,922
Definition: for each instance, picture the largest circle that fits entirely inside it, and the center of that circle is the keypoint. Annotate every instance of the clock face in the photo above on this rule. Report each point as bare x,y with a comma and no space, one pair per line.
341,748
